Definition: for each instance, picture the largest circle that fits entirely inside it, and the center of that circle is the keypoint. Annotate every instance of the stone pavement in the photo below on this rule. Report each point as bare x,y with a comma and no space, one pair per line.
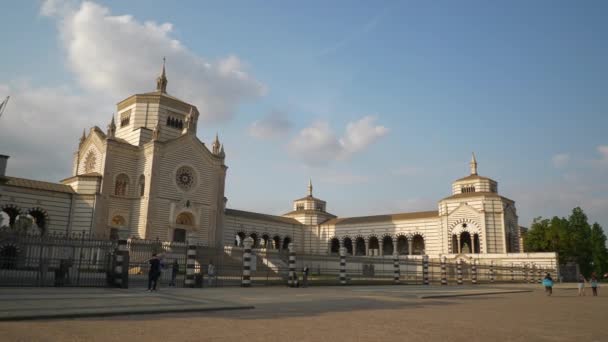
54,303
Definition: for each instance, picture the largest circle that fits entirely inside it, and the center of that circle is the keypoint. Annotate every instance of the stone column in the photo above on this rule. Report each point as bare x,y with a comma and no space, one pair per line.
410,246
190,264
425,269
395,246
121,265
459,272
342,266
396,271
444,274
366,247
381,247
474,272
292,265
246,282
492,271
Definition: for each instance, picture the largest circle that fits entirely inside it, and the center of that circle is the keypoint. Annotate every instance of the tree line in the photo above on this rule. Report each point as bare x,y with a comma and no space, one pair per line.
573,238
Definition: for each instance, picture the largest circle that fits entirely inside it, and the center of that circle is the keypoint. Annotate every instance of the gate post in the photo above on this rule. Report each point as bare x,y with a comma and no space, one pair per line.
121,265
397,271
491,271
474,272
190,264
425,269
246,281
444,274
459,271
342,266
291,282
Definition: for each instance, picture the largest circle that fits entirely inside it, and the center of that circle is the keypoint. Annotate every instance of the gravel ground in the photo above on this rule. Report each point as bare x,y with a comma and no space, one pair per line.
368,316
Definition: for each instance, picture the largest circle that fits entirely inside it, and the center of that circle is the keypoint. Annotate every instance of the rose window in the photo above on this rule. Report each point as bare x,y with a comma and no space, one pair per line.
184,177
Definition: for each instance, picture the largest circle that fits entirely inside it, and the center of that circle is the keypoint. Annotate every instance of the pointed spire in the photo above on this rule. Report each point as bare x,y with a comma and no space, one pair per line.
111,128
310,187
215,147
161,81
473,165
222,153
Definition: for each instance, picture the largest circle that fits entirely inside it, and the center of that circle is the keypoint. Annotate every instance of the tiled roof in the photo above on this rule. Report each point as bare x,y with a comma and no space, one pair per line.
38,185
262,217
382,218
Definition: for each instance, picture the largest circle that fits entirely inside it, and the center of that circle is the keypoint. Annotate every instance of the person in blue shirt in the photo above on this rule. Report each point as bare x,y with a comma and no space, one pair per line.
548,284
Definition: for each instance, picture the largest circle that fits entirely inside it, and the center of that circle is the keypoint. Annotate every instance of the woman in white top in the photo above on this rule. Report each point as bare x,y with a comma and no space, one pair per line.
581,285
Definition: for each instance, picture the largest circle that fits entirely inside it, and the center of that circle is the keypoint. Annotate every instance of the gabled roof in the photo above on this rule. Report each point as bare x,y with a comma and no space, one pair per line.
261,217
382,218
38,185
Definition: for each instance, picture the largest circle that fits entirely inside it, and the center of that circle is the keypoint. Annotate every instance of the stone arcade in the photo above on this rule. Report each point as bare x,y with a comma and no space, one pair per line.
148,176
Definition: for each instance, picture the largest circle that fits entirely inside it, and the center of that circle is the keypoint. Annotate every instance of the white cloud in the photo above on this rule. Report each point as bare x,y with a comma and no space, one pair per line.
317,144
560,160
119,56
274,125
603,150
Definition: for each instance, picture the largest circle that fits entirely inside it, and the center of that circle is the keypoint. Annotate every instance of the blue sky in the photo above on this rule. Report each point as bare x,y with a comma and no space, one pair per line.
420,84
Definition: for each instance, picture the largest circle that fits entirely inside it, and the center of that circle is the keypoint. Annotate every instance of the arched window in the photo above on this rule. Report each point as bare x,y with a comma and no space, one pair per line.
185,219
277,242
360,246
348,244
39,219
239,238
466,245
373,243
286,242
142,185
256,243
121,187
387,245
266,242
334,246
12,212
402,247
418,245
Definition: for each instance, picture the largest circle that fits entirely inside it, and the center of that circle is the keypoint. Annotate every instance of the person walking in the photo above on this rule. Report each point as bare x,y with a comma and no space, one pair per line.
154,272
548,284
210,273
174,271
594,284
305,276
581,285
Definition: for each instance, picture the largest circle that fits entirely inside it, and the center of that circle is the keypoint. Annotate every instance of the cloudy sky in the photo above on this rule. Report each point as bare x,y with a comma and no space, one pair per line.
380,103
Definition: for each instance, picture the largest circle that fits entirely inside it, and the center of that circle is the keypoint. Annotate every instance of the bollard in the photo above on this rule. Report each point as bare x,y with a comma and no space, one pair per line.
246,282
525,267
396,271
444,274
121,265
291,282
425,270
492,271
190,264
512,272
540,272
459,272
342,266
474,272
532,274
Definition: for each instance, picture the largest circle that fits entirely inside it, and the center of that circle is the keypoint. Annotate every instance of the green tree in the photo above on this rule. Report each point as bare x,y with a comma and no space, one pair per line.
599,251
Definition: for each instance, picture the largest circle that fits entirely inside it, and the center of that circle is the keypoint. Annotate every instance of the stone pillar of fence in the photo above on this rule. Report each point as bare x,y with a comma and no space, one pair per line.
190,265
512,272
444,273
474,272
292,265
492,271
459,272
246,281
540,272
425,269
121,265
342,266
532,269
396,270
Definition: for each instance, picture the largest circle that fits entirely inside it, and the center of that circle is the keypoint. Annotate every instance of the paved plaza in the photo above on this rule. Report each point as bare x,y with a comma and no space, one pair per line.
357,313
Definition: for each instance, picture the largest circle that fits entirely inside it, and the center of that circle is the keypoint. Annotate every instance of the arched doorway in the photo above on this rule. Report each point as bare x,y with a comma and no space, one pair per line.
359,246
402,247
277,242
266,242
334,246
239,238
256,243
12,212
387,245
39,218
466,244
286,242
373,245
348,244
418,245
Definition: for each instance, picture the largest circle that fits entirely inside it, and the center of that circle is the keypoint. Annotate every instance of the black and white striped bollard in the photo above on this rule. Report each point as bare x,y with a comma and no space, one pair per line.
396,271
474,272
342,266
459,272
512,272
425,269
292,265
444,273
121,265
190,264
492,271
247,243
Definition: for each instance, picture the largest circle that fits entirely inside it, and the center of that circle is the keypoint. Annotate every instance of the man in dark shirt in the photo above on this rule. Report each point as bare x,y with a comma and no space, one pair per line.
154,272
305,276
